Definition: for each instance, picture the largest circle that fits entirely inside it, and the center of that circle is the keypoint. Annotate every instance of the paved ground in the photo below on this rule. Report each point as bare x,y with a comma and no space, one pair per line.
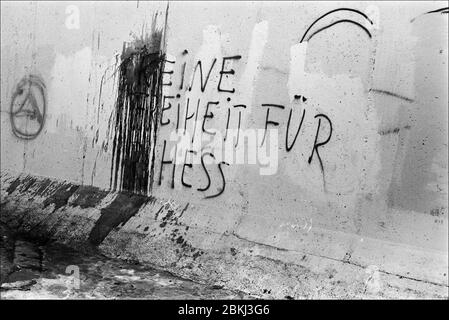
30,271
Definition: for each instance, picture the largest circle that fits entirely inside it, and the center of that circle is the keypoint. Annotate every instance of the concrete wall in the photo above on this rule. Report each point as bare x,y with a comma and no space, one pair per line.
362,191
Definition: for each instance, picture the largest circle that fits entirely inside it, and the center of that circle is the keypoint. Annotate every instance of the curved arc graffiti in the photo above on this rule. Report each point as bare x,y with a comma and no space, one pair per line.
345,20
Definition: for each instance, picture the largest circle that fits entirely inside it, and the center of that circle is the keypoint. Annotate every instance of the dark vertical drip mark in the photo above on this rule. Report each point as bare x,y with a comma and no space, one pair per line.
164,40
137,113
227,124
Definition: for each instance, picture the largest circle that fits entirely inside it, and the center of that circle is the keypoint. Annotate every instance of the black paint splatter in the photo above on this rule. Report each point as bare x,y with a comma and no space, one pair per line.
137,113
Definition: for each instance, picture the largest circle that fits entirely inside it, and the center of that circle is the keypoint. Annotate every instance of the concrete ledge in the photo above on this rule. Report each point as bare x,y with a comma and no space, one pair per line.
153,231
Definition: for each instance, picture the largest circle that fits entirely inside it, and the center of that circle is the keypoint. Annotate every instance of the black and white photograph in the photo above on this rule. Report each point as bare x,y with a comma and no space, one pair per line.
248,152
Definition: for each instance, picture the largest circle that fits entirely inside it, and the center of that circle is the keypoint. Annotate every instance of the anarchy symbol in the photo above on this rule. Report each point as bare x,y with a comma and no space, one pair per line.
28,107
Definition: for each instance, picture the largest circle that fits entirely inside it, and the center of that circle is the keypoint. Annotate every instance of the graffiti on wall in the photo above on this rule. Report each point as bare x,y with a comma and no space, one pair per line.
354,17
193,118
28,108
196,104
204,111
